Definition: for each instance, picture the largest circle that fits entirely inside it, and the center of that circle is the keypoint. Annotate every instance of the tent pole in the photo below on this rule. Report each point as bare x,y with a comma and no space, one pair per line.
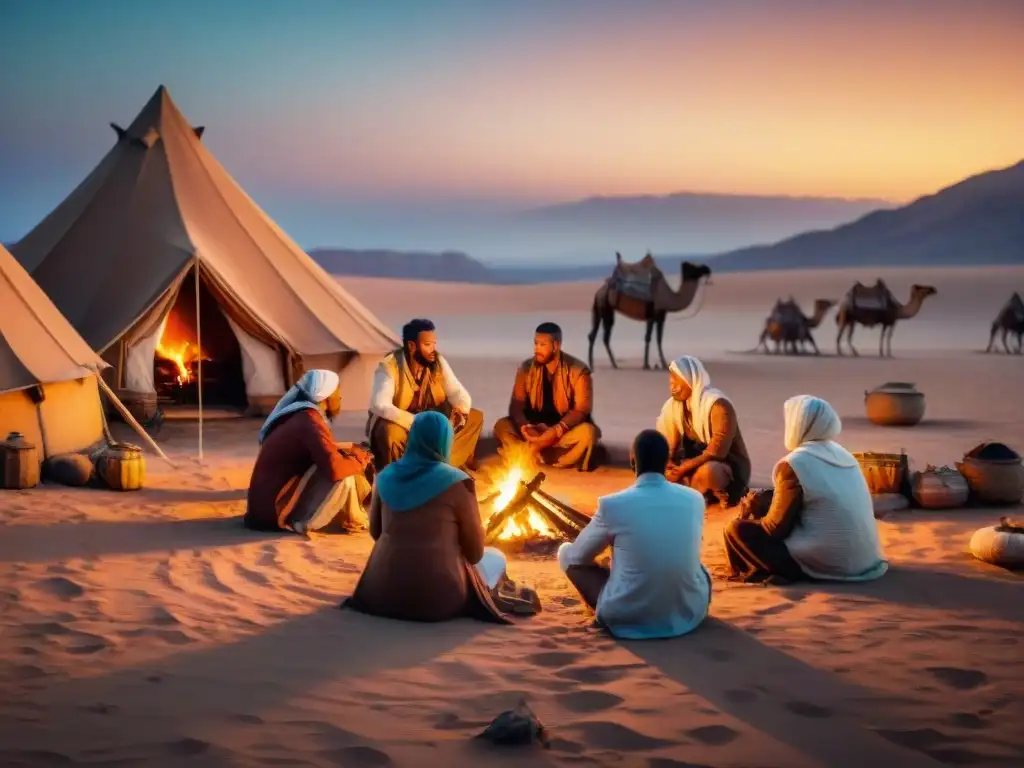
199,361
131,420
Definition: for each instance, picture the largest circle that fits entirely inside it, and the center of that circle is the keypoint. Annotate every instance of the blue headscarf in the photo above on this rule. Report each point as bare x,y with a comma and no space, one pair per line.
424,471
312,389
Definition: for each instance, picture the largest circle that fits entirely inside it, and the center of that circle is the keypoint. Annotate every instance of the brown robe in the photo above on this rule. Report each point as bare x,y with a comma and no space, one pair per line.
295,443
571,387
726,446
421,566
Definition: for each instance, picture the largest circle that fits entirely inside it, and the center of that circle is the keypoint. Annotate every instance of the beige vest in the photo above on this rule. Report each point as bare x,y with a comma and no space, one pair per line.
406,388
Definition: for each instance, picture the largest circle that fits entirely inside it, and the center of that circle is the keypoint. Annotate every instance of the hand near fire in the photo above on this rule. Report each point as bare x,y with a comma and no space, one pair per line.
540,437
360,454
458,420
674,472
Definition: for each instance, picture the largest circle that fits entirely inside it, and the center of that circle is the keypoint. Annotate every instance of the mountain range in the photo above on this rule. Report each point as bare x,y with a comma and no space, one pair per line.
979,220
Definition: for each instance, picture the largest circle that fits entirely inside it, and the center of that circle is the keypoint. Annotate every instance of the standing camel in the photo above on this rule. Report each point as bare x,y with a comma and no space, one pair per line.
1009,320
790,328
652,310
871,305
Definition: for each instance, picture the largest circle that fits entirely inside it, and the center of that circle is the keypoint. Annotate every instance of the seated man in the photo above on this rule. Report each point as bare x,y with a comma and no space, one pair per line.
706,448
551,403
657,586
302,480
413,379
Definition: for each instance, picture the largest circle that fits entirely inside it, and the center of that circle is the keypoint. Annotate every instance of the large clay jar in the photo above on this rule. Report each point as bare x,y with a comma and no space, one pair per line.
940,488
994,474
122,466
894,404
19,463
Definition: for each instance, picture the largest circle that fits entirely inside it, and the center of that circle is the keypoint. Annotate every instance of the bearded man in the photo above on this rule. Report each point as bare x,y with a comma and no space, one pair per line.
551,405
413,379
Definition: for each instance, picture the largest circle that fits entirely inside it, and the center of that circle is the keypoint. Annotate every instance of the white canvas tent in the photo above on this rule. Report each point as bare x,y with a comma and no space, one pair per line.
117,253
49,377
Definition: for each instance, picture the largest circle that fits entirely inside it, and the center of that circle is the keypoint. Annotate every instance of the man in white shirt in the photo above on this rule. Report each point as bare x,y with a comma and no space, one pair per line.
413,379
656,586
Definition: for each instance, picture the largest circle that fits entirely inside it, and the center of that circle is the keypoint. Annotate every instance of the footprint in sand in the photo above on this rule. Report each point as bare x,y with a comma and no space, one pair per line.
594,675
188,747
967,720
553,658
248,719
713,735
806,709
961,679
608,735
59,587
588,701
774,610
740,696
358,756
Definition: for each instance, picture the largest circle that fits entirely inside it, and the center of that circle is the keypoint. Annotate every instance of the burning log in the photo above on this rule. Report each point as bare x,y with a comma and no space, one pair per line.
532,511
523,496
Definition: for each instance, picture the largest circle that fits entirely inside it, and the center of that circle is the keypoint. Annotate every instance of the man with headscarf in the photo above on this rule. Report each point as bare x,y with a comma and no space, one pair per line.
414,379
656,585
820,523
706,447
302,480
551,405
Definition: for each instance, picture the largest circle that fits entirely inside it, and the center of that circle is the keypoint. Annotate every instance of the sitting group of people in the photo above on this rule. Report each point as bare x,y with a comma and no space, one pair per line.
429,562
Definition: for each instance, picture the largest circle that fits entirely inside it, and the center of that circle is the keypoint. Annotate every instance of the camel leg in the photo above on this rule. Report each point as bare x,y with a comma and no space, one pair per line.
992,337
881,341
814,345
660,327
849,339
609,323
648,332
763,341
839,340
892,332
1006,345
595,326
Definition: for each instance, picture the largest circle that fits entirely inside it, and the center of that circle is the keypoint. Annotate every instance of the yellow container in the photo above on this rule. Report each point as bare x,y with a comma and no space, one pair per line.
122,467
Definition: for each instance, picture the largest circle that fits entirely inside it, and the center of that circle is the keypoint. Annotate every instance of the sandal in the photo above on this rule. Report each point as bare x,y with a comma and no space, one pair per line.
521,602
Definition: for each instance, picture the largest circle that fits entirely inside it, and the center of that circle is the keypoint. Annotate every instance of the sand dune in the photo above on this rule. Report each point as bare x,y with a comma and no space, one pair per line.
151,629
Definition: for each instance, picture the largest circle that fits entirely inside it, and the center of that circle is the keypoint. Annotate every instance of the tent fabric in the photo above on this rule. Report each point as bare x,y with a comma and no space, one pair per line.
158,201
48,387
37,344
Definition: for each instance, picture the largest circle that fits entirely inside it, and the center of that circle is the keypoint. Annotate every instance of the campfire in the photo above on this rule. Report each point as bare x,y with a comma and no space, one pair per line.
177,354
518,513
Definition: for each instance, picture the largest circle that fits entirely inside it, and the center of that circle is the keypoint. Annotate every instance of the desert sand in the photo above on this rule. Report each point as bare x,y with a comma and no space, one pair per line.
151,629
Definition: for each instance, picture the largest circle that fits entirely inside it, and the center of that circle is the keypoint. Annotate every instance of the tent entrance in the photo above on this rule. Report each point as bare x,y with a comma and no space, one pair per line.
176,359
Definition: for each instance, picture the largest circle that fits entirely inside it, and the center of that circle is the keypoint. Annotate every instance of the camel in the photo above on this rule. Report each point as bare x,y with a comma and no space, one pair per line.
790,328
641,292
1010,320
871,305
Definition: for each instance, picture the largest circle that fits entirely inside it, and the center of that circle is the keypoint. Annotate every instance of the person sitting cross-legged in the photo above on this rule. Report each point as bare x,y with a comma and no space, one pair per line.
656,585
550,408
820,523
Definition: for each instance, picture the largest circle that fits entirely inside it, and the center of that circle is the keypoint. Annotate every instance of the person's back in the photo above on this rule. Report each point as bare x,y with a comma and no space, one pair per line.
658,586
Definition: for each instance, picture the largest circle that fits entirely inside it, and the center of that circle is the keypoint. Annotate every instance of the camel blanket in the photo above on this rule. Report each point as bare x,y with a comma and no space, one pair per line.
634,279
875,297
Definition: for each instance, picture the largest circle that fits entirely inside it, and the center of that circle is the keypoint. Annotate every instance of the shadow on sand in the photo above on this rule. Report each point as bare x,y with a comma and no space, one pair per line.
794,703
45,543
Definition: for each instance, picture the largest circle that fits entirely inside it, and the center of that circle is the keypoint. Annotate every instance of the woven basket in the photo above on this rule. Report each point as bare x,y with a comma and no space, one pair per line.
884,472
894,404
940,488
993,481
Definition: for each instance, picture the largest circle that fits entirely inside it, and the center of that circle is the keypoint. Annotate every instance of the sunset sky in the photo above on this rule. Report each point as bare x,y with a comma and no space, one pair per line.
333,102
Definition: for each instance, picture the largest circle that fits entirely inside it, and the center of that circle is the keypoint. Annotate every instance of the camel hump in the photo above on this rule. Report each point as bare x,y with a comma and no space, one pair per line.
871,297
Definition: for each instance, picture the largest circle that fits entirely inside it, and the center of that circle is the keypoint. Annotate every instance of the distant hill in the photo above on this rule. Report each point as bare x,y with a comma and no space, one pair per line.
979,220
446,266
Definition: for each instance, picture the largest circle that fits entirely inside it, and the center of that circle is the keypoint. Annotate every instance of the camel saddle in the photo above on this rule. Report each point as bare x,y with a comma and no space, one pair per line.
632,278
872,298
1015,307
786,313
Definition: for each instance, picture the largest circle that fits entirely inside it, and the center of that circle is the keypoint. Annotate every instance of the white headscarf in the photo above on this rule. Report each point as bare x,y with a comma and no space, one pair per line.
811,426
702,394
309,391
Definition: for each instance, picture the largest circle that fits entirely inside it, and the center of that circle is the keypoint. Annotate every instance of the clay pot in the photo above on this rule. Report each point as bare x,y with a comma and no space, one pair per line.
940,488
894,404
19,463
993,480
122,467
1001,545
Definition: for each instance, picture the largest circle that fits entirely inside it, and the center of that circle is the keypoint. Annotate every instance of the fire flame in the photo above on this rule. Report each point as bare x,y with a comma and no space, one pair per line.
518,467
179,355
